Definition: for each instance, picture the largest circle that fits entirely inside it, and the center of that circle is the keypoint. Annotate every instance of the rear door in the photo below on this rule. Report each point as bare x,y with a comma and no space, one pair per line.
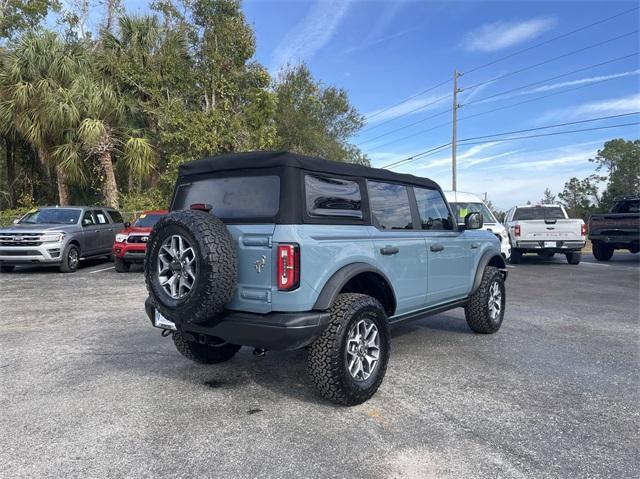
91,233
449,251
399,247
106,231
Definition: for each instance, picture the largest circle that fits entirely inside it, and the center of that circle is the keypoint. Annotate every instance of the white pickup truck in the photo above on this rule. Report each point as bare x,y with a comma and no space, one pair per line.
546,230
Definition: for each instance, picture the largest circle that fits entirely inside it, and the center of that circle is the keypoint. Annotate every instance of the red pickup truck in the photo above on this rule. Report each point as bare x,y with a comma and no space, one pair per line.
618,229
131,243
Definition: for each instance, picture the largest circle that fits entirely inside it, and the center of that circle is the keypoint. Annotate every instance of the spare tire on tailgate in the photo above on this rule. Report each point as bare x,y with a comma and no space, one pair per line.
191,266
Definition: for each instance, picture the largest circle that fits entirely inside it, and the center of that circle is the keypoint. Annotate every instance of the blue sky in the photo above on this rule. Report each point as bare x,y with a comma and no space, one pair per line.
382,52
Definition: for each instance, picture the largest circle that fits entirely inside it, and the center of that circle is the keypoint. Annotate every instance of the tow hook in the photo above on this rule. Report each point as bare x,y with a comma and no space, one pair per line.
165,332
259,352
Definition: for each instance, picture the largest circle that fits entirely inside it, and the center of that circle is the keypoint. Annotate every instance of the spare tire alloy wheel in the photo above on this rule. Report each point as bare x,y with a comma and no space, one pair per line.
177,266
191,267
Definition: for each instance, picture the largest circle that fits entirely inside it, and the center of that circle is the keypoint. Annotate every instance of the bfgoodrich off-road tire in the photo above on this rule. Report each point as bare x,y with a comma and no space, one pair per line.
601,251
478,311
574,257
70,259
214,267
122,266
328,359
204,353
516,256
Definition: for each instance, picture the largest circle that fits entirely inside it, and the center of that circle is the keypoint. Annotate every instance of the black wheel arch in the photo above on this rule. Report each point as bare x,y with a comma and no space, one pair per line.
362,278
489,258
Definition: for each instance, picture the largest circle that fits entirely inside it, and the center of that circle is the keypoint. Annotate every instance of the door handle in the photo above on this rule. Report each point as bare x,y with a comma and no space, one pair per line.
436,247
389,250
475,245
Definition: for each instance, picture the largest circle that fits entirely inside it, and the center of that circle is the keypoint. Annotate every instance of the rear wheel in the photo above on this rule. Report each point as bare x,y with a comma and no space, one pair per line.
485,310
348,361
70,259
122,266
516,256
574,257
204,353
7,268
601,251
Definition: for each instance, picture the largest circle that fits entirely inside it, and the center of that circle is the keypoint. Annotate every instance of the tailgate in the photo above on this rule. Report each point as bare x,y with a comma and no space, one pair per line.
561,230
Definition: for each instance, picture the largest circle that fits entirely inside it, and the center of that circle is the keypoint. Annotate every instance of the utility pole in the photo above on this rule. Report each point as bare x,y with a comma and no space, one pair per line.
454,133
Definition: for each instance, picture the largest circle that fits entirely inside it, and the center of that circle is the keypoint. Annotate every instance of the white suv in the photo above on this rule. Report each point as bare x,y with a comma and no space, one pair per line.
464,203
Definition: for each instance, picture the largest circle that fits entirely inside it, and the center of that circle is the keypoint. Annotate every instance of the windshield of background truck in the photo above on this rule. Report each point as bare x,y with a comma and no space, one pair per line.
235,197
51,216
539,213
463,209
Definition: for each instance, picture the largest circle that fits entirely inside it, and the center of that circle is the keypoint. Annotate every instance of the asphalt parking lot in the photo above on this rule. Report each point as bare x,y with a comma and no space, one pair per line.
89,389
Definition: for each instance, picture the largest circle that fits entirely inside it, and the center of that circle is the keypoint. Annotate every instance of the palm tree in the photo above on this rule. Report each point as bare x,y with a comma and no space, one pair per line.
34,96
104,132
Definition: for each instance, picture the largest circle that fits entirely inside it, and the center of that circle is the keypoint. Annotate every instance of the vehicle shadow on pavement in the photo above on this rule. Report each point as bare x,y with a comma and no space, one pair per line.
39,269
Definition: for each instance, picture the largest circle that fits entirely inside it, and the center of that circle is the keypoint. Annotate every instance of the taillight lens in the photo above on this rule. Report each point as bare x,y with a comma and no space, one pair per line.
288,267
583,231
516,230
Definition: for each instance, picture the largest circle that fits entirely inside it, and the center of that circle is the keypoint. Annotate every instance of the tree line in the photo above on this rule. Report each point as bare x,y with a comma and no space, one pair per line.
108,116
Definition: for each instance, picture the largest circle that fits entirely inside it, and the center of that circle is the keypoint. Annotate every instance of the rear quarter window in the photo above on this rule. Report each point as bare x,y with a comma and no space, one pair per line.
237,197
333,197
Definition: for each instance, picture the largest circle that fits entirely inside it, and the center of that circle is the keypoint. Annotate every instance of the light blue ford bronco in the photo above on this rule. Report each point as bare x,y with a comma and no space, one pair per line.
279,251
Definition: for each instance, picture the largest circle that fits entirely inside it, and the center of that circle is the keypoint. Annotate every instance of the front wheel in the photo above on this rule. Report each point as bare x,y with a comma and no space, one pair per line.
204,353
122,266
601,251
485,310
348,361
574,257
70,259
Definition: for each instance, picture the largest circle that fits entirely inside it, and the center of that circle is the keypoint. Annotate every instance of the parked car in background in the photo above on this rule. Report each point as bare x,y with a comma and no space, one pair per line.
280,251
464,203
59,236
545,230
130,244
618,229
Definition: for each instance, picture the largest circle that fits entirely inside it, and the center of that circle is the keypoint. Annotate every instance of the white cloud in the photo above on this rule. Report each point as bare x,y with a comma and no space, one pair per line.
311,34
612,106
581,81
410,107
499,35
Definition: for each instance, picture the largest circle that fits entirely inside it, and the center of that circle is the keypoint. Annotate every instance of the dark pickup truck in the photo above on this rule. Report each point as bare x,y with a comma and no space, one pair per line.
618,229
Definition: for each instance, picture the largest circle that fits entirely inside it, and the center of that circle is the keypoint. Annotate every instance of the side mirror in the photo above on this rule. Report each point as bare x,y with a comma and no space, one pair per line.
127,225
473,221
16,221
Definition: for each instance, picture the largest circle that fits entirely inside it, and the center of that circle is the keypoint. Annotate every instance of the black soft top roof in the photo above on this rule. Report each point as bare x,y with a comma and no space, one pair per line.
271,159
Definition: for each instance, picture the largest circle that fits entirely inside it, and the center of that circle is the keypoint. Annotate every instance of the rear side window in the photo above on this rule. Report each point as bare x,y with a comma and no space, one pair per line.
116,216
434,214
631,206
390,208
235,197
538,213
332,197
101,218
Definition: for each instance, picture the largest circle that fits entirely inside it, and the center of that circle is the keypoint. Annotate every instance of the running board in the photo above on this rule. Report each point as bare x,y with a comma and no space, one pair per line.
424,313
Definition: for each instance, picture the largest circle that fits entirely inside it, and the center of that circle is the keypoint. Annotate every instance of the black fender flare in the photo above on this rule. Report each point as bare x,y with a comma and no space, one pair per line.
488,257
340,278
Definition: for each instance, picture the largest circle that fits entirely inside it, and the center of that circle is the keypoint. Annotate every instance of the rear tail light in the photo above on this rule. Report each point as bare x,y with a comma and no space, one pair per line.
516,230
288,267
583,230
201,207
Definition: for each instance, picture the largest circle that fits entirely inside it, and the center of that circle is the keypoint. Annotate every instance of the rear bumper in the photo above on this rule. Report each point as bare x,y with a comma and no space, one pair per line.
622,239
558,247
274,331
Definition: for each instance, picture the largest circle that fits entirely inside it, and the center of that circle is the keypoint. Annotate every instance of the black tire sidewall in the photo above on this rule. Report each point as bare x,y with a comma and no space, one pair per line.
378,318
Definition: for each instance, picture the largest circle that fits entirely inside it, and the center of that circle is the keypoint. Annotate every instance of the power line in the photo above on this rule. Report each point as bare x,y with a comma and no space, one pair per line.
546,42
555,133
409,98
466,117
493,62
417,156
550,60
404,127
421,107
609,117
551,78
